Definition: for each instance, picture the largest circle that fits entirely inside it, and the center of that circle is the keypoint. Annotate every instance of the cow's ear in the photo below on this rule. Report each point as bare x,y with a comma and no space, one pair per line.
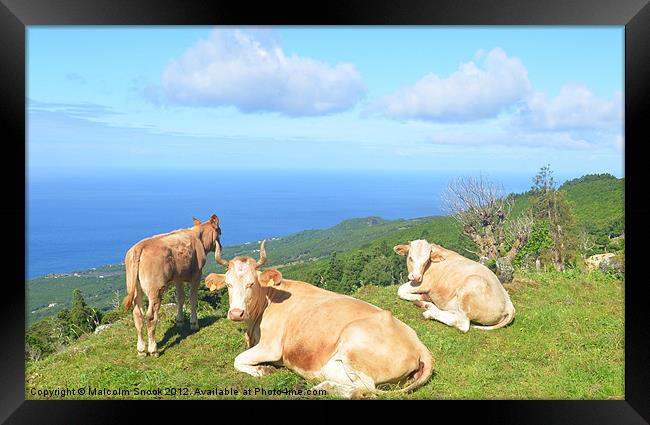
195,221
214,220
215,281
437,255
401,249
270,277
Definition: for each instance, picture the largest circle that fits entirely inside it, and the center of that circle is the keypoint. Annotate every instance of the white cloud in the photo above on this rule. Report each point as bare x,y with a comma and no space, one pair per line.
575,107
250,70
508,137
85,110
475,91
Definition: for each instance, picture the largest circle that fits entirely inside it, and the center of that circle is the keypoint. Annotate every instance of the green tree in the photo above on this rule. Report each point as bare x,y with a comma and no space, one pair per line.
539,241
82,318
553,206
334,272
377,271
353,267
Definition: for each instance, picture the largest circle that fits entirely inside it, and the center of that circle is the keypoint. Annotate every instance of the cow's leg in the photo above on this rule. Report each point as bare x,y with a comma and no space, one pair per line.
152,321
180,301
249,360
457,319
408,292
345,391
194,294
341,379
138,316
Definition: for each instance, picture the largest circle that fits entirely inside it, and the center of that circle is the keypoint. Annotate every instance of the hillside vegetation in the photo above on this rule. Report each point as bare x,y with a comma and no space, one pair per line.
598,202
567,342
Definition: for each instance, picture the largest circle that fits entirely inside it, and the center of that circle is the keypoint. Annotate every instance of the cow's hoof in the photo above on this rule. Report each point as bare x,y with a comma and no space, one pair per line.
428,314
179,324
194,326
423,305
154,354
266,370
142,354
464,327
362,394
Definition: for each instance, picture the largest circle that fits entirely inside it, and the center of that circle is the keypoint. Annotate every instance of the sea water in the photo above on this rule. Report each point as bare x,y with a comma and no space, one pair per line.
83,221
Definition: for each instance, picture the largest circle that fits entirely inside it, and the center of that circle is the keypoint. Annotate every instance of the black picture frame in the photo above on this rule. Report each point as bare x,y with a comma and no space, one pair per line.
16,15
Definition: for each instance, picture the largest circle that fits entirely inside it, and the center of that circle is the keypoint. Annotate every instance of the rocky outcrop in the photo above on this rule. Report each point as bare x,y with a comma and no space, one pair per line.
101,328
505,270
594,261
613,264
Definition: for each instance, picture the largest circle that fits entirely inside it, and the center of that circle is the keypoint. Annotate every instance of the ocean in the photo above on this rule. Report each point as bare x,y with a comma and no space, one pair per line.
75,223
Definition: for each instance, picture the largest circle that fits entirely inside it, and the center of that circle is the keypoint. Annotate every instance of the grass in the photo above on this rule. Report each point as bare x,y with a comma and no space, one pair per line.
567,342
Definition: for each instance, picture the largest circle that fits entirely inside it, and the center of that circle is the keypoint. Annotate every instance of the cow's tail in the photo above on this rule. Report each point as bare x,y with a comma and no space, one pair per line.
421,376
510,314
132,264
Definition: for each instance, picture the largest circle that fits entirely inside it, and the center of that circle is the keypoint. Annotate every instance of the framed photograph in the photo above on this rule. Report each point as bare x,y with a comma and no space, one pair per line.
373,201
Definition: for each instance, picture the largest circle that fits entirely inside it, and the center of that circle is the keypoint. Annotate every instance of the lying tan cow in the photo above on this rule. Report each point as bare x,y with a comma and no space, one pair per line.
154,263
453,289
348,345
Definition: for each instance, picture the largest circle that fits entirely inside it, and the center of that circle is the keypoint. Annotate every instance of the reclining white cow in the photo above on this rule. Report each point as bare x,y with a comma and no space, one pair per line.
350,346
453,289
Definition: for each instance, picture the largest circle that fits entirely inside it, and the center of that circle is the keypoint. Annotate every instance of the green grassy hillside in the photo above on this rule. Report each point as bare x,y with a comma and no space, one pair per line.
599,203
566,342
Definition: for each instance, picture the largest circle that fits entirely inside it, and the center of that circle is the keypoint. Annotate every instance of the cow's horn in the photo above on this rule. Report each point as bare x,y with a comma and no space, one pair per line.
217,255
262,259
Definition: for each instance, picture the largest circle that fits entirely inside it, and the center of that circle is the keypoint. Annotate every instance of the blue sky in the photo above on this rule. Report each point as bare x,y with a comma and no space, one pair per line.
459,99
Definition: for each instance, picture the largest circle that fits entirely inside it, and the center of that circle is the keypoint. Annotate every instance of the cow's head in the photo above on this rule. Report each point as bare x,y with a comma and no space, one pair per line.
244,282
209,232
420,254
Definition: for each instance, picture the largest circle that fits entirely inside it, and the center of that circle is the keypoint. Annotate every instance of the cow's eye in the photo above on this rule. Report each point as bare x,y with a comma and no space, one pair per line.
248,285
228,285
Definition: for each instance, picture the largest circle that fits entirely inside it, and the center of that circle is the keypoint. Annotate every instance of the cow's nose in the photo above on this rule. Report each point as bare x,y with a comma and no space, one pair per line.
236,314
416,278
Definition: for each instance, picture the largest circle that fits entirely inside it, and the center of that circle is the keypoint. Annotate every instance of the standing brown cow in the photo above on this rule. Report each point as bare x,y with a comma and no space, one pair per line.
155,262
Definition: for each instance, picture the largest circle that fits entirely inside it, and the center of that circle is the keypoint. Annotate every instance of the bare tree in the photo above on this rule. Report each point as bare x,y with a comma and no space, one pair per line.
483,211
587,243
116,301
519,232
480,207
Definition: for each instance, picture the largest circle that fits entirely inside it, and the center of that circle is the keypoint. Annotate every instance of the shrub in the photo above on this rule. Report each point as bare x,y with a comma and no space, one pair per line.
614,266
113,316
44,338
